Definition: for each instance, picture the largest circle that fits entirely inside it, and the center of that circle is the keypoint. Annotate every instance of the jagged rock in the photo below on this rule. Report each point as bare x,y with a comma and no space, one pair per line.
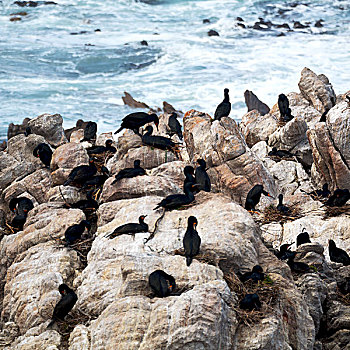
8,334
79,338
76,136
252,102
102,138
317,89
14,129
71,194
168,108
129,101
49,126
80,124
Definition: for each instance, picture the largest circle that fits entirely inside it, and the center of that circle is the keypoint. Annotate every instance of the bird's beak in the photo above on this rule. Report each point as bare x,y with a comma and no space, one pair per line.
269,195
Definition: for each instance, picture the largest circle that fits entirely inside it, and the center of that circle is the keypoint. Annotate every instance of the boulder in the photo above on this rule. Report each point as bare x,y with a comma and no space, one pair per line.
252,102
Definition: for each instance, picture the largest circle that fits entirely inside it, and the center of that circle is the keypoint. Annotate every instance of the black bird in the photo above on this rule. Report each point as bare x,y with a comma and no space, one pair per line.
135,120
130,172
174,126
68,300
97,180
189,178
283,105
299,267
21,205
224,108
338,255
131,228
18,222
280,153
75,232
202,178
323,116
81,173
255,275
191,240
253,197
90,132
339,198
285,253
87,204
161,283
175,201
250,302
281,207
324,193
303,238
44,152
28,131
160,142
102,149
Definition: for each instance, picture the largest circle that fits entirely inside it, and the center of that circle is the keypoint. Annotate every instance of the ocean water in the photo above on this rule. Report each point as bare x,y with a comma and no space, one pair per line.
54,60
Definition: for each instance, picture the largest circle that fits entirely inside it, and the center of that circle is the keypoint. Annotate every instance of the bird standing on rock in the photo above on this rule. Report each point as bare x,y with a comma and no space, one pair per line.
202,178
75,232
135,120
339,198
174,126
44,153
131,228
102,149
161,283
189,178
285,253
81,173
130,172
98,180
253,197
224,108
281,207
338,255
285,111
88,204
90,131
303,238
21,205
191,240
297,266
68,300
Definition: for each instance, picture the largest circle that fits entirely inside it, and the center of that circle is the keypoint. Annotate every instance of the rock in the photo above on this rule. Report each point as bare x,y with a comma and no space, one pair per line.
80,124
298,25
168,108
76,136
129,101
49,126
318,24
213,32
253,102
14,129
79,338
102,138
144,43
71,194
317,90
15,19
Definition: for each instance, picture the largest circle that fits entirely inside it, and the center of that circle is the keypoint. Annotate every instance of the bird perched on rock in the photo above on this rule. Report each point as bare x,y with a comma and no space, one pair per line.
44,153
174,126
202,178
135,120
285,253
75,232
191,240
62,308
281,207
324,193
161,283
303,238
338,255
90,131
297,266
21,205
224,108
280,153
102,149
97,180
131,228
18,222
339,198
253,197
255,275
130,172
250,302
28,131
285,111
175,201
81,173
189,178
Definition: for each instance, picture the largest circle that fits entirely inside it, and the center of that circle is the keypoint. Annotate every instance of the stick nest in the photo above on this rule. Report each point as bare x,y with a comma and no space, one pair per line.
336,211
203,257
271,214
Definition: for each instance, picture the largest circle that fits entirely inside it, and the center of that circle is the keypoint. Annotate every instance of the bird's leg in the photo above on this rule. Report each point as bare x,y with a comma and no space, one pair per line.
254,212
10,227
96,194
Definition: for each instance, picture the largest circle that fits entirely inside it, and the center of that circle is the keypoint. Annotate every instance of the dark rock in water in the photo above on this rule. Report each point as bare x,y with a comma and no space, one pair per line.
129,101
284,25
252,102
319,24
262,25
21,13
144,43
298,25
33,3
97,30
168,108
15,19
15,129
213,33
283,11
240,19
77,33
241,25
206,20
281,34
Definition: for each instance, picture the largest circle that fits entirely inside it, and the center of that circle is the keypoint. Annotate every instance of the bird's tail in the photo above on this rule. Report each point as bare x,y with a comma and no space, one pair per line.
119,130
188,260
158,206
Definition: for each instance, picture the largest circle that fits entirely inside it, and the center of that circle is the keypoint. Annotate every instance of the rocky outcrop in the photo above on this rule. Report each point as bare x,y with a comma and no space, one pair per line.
252,102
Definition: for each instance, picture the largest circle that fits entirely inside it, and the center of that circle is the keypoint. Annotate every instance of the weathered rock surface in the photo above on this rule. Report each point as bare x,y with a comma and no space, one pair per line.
252,102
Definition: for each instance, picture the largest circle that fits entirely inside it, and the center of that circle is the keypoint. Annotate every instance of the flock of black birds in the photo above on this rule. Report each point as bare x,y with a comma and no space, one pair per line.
196,180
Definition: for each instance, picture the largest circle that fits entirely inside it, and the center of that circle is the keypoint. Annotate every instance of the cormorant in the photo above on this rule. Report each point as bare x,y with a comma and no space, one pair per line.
285,252
339,198
338,255
21,205
174,126
90,132
131,228
130,172
98,180
18,222
299,267
135,120
253,197
161,283
320,193
44,152
303,238
202,178
85,204
81,173
283,105
255,275
189,178
250,302
160,142
68,300
191,240
28,131
281,207
74,232
280,153
224,108
175,201
102,149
